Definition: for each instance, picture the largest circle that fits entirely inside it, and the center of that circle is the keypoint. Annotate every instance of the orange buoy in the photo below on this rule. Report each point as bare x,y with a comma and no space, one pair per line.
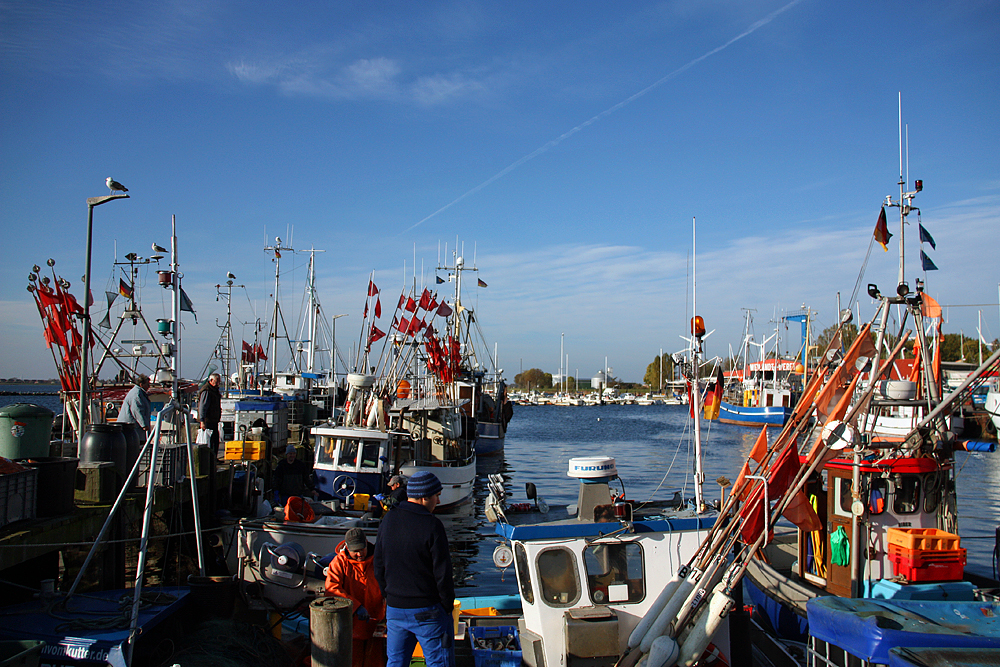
403,389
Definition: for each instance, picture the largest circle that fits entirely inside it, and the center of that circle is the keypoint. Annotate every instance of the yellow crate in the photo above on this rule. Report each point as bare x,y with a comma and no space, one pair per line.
923,539
245,450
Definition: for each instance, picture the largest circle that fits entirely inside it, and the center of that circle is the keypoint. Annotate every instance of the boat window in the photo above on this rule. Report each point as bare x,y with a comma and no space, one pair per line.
932,491
906,495
325,449
560,582
877,494
369,454
614,572
843,496
523,575
348,453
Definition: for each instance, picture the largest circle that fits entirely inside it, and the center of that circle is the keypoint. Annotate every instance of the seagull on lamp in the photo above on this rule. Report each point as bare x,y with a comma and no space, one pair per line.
114,185
158,249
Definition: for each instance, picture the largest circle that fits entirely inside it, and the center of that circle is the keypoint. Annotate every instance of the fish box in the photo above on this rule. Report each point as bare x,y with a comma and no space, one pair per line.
927,539
18,496
245,450
928,568
501,646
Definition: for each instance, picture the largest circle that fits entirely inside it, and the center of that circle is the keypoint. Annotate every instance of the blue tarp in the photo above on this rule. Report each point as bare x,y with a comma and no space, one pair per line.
262,404
869,628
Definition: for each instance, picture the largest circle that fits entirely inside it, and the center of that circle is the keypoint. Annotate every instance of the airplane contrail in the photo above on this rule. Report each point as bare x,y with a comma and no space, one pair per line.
554,142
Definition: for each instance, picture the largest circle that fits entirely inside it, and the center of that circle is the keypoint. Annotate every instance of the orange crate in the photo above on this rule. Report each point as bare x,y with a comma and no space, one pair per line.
245,450
921,557
926,539
482,611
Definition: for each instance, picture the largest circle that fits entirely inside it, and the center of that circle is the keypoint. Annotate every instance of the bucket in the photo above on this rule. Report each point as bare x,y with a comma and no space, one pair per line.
56,484
165,277
25,430
213,597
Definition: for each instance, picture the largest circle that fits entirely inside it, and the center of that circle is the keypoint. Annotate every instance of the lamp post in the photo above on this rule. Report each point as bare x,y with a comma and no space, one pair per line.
334,345
84,354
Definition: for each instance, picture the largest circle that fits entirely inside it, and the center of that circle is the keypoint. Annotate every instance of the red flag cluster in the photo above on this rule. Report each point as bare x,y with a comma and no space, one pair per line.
443,357
57,309
253,353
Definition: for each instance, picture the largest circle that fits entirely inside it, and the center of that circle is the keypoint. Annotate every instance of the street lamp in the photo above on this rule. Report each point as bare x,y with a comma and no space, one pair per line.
84,409
334,334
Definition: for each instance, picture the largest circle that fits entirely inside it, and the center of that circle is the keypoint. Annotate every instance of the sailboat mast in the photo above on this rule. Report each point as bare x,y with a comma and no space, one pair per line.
311,349
274,315
699,473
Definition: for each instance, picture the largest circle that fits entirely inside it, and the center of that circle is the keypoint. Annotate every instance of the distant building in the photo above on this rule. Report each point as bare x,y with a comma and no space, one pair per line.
599,381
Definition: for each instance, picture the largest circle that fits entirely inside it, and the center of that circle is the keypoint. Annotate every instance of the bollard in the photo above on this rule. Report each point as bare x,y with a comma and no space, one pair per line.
330,631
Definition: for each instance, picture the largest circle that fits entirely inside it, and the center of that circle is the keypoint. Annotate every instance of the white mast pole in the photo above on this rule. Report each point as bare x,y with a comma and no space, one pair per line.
699,473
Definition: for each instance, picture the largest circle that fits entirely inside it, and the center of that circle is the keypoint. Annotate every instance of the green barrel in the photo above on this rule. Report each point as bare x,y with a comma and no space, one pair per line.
25,430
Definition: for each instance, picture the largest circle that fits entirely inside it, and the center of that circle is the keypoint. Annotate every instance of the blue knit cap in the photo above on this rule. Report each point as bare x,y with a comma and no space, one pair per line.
423,485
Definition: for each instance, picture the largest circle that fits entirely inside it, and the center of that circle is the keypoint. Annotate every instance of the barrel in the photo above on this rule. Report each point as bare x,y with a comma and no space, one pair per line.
56,484
105,443
25,430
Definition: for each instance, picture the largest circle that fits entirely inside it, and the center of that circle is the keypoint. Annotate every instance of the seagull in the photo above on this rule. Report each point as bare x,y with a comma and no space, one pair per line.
115,185
157,248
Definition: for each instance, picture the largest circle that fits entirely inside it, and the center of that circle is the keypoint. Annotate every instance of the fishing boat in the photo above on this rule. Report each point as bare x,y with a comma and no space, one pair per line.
616,577
479,376
765,392
872,495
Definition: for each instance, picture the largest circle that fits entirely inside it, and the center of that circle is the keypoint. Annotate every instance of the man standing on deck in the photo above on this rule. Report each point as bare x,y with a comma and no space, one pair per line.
136,408
210,410
413,569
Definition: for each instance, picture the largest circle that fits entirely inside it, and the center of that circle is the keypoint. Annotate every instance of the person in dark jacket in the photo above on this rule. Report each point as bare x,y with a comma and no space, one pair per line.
292,477
210,409
413,569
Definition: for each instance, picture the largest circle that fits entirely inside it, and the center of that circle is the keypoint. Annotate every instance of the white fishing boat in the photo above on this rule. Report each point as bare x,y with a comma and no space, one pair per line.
616,577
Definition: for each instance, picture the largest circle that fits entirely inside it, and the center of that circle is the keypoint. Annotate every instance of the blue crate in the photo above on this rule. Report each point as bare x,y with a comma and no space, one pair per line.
488,658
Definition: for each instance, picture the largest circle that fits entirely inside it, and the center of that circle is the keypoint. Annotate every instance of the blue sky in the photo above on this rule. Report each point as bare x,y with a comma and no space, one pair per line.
566,145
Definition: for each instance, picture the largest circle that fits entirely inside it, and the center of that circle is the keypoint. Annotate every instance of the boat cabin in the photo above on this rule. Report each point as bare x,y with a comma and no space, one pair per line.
586,582
892,493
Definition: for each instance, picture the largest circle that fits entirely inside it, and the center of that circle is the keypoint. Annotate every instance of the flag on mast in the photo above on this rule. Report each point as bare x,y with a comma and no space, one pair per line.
881,233
925,237
926,262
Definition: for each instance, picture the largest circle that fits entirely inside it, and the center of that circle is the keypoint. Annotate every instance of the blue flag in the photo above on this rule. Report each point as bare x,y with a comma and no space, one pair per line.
926,262
438,279
925,237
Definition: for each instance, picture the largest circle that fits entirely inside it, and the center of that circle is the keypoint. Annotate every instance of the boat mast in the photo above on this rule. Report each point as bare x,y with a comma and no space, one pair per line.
699,473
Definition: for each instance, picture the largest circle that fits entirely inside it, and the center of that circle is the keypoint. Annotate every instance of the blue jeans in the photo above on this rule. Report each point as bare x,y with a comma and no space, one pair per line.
433,627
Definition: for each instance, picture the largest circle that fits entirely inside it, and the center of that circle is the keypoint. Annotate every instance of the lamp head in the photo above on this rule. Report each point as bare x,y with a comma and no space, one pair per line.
873,291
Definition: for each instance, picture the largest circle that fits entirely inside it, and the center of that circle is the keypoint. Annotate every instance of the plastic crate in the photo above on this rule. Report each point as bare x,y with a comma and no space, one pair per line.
929,539
245,450
495,658
920,557
18,496
928,569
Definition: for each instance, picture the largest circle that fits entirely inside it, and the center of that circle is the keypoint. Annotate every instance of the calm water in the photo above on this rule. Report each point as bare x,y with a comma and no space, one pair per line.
651,447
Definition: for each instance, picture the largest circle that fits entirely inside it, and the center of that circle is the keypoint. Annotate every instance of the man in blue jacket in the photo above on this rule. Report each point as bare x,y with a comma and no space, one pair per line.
413,569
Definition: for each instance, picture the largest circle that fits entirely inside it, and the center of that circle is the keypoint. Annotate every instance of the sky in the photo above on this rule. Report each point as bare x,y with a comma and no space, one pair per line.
592,160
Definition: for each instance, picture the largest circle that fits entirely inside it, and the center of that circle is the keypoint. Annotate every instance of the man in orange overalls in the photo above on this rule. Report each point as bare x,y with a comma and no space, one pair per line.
351,575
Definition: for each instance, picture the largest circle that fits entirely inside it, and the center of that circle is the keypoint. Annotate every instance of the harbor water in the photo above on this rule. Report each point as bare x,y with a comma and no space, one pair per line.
653,451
